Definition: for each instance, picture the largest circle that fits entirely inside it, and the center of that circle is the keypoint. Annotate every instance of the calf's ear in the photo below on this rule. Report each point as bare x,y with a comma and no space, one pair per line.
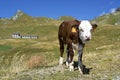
94,26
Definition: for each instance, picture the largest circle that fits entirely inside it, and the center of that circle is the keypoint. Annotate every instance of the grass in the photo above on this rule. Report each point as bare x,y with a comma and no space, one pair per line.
110,19
4,47
101,68
37,59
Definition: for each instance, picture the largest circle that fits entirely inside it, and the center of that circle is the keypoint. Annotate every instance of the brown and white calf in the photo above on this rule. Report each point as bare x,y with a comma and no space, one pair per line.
74,34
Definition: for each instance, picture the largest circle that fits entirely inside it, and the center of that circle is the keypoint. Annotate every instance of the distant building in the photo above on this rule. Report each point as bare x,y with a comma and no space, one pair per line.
29,37
17,35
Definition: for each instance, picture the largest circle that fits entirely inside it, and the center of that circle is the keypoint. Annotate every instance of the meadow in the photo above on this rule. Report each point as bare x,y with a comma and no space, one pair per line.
37,59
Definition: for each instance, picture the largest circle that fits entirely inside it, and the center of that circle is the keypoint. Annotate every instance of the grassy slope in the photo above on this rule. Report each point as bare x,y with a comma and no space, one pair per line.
110,18
26,59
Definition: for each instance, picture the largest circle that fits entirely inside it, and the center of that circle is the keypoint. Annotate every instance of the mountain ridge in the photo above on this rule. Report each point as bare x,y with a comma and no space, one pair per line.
22,18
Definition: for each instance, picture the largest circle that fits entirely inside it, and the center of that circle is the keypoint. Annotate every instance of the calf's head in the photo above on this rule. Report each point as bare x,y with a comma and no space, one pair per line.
85,29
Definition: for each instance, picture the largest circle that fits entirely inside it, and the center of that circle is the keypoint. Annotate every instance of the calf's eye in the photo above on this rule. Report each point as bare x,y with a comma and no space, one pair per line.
81,30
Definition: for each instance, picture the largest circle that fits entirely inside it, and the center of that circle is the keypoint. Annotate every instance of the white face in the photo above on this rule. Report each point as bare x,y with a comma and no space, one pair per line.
85,31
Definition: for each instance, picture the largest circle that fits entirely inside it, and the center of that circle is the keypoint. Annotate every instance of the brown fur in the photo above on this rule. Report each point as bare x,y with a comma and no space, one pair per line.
66,36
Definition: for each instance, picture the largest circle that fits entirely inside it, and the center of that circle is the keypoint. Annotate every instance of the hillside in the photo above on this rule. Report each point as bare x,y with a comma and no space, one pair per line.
109,18
37,59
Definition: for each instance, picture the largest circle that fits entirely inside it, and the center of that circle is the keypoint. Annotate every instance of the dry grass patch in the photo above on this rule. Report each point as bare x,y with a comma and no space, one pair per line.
17,64
105,47
106,61
36,61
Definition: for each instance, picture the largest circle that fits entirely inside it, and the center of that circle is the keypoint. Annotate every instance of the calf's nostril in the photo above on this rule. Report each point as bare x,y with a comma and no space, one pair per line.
87,38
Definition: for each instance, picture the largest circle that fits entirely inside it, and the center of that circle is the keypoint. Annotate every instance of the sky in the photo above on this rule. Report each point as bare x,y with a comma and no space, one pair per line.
79,9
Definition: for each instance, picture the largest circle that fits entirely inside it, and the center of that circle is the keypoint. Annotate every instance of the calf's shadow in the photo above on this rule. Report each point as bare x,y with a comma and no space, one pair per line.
85,69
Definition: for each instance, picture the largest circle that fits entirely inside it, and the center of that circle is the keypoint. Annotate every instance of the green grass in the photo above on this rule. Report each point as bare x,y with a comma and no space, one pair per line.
5,47
36,59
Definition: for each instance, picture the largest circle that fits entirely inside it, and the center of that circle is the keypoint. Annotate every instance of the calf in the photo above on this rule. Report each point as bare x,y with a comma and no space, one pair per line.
74,34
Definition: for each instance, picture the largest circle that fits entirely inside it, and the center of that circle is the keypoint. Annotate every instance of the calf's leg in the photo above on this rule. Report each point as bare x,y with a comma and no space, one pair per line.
71,53
61,52
80,52
68,58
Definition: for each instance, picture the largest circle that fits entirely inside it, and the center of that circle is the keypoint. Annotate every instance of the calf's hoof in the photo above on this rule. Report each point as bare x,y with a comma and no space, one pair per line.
81,71
71,68
61,61
67,64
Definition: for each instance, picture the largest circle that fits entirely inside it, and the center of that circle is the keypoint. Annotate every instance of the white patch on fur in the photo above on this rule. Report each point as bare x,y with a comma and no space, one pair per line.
61,61
71,67
67,63
75,47
86,27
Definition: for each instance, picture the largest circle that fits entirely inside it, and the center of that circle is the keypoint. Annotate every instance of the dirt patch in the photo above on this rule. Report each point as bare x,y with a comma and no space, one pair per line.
36,61
39,73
